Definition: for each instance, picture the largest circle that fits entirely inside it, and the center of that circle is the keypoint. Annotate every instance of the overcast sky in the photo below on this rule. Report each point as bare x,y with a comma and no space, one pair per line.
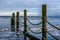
33,7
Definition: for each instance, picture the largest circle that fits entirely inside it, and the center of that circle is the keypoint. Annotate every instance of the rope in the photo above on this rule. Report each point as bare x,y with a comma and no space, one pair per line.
52,36
53,25
33,23
21,24
34,32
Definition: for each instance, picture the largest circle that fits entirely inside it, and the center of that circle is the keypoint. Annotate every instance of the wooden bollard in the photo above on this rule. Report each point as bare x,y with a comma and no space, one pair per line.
17,22
13,22
25,24
44,22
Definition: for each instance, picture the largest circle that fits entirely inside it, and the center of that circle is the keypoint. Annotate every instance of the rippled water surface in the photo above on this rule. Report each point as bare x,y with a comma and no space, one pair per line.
6,34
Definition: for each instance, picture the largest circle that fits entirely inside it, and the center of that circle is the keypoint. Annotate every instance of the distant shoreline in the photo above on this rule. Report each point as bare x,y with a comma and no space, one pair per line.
57,17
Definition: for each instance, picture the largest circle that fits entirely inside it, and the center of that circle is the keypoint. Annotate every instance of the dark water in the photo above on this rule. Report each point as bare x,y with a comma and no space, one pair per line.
8,35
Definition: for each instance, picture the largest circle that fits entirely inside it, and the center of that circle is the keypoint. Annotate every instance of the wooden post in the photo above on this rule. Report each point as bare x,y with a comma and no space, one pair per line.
25,24
44,22
13,22
17,22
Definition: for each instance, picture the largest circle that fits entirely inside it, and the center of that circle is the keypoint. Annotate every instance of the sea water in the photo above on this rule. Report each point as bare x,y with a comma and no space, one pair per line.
6,34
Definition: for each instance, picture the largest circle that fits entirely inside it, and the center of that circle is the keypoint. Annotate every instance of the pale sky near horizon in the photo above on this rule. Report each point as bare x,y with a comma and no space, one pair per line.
33,7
